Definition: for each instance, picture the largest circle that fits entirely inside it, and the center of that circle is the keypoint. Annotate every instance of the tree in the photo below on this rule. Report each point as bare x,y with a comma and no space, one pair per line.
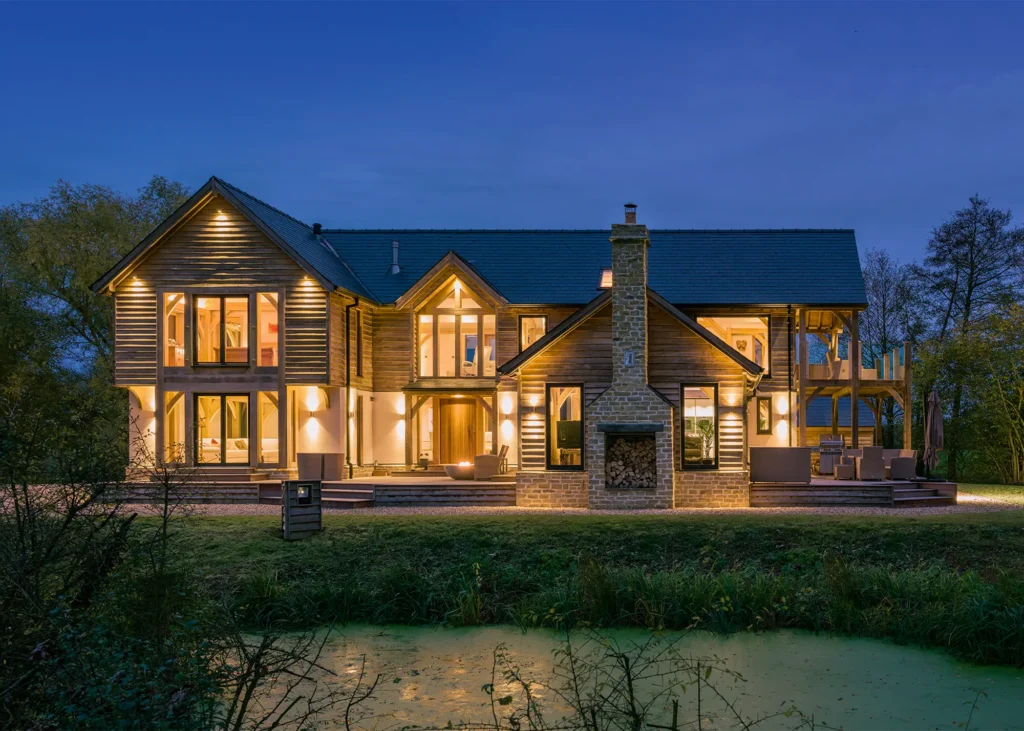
893,317
60,244
972,269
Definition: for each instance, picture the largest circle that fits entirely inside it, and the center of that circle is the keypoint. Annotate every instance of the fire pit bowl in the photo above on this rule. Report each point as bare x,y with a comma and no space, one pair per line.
460,471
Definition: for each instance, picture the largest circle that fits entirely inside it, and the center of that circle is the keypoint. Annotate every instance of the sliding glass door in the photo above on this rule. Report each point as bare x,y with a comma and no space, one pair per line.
222,428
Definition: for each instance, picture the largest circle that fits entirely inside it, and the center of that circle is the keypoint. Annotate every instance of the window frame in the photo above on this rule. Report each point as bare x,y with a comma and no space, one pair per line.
683,385
197,439
757,416
543,317
222,363
768,335
548,435
431,308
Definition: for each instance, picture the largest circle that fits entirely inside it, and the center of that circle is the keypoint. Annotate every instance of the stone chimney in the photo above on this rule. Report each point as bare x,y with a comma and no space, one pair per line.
629,301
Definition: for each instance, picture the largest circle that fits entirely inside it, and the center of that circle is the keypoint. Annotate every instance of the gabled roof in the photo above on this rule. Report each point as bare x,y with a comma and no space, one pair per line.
595,305
450,261
687,267
317,257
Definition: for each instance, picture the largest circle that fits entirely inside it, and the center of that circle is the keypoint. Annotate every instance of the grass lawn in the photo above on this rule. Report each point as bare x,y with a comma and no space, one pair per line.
951,580
1006,493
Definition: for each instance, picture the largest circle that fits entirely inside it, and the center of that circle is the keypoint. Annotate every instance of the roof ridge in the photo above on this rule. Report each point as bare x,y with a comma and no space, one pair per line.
580,230
275,209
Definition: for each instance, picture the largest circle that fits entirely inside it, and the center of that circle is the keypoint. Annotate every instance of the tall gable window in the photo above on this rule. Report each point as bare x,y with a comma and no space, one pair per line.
221,330
748,335
267,317
174,329
456,335
700,425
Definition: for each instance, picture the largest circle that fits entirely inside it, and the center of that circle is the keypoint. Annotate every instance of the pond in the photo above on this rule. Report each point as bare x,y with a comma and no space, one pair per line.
433,676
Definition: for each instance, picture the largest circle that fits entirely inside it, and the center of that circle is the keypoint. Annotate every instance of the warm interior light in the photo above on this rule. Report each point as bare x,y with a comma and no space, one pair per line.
506,405
606,279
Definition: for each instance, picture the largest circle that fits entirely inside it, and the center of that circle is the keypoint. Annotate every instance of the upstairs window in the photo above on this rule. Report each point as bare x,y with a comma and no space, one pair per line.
748,335
606,279
456,335
531,329
267,324
174,329
221,330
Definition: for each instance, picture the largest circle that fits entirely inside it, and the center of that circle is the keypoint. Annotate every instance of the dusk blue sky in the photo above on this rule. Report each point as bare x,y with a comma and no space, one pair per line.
881,117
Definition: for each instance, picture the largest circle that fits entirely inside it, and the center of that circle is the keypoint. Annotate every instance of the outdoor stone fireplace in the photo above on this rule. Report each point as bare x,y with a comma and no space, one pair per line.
628,428
630,459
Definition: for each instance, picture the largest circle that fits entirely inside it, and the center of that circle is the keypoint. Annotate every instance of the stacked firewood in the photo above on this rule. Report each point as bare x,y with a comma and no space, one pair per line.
631,462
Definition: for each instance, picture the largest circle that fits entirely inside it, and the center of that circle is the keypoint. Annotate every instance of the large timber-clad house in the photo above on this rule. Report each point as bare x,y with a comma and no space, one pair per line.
620,367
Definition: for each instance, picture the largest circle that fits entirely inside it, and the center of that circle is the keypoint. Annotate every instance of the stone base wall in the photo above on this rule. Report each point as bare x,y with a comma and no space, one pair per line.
364,471
554,489
712,489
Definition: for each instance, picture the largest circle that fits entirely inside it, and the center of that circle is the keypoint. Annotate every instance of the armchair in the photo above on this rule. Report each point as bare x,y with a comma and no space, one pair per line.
871,465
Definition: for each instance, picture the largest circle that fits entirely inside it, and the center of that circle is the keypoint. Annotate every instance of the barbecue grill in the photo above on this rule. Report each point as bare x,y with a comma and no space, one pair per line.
830,449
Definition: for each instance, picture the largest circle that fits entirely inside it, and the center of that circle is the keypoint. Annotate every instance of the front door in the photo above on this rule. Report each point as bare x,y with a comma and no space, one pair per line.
458,430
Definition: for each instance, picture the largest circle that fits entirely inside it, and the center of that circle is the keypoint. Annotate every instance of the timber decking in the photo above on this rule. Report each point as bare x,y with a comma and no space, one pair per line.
849,493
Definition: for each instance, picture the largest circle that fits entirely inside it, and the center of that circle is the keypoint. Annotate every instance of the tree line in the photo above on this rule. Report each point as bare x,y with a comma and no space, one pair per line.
961,309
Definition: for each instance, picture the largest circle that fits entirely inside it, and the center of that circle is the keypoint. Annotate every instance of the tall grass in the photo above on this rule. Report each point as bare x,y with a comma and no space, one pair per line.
981,621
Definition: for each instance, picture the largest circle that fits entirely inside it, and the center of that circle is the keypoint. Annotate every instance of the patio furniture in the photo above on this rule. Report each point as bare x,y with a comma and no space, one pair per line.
503,459
780,464
459,471
871,465
486,466
845,471
900,464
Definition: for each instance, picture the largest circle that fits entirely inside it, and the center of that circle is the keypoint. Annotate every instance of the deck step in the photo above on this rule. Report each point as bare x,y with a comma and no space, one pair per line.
923,501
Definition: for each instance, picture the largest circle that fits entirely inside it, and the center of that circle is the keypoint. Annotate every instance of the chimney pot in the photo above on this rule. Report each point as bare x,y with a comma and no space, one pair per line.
317,228
631,213
395,268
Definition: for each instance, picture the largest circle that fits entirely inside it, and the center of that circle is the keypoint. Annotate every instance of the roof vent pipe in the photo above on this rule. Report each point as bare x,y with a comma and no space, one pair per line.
395,269
317,228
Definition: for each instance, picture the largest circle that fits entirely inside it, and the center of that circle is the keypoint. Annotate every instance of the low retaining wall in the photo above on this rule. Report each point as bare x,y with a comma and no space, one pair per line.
712,489
553,489
224,492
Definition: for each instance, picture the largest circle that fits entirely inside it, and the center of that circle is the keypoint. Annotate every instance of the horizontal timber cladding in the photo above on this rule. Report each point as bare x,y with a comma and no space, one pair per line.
337,341
305,333
582,356
135,334
678,355
508,325
219,249
391,350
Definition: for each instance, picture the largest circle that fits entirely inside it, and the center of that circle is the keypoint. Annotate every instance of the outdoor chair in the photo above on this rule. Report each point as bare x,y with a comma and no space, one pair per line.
846,468
870,466
901,464
486,466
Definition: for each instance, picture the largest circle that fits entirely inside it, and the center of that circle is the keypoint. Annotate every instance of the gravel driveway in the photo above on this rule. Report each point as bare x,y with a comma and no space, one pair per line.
967,503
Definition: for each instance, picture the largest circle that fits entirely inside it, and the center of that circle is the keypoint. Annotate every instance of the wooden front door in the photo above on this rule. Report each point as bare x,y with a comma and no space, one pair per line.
458,430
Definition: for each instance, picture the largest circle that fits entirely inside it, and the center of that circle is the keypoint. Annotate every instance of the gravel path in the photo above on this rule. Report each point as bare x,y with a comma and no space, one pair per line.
967,503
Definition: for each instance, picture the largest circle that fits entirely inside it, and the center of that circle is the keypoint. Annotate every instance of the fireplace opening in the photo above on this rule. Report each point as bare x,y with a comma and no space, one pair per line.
630,461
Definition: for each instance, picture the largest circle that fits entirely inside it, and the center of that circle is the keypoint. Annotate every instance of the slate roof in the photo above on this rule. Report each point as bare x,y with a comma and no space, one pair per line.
819,413
300,237
686,267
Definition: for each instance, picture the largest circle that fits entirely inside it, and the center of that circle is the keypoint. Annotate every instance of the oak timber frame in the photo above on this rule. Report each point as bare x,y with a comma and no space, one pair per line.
895,381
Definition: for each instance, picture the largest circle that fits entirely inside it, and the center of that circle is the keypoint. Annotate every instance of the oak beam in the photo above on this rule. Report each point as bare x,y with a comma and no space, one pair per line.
802,388
855,378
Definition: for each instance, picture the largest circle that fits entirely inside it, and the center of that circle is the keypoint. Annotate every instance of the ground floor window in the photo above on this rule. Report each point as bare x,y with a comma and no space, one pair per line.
222,428
268,425
174,427
700,425
764,415
565,427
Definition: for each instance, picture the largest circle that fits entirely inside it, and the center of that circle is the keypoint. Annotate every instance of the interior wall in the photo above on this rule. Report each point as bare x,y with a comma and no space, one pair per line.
142,425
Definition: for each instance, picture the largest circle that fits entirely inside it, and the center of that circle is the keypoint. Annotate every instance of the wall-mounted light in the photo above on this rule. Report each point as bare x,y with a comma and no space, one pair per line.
782,404
506,404
400,405
507,430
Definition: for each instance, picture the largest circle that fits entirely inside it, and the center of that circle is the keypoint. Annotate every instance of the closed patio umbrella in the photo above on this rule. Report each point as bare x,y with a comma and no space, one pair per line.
932,431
